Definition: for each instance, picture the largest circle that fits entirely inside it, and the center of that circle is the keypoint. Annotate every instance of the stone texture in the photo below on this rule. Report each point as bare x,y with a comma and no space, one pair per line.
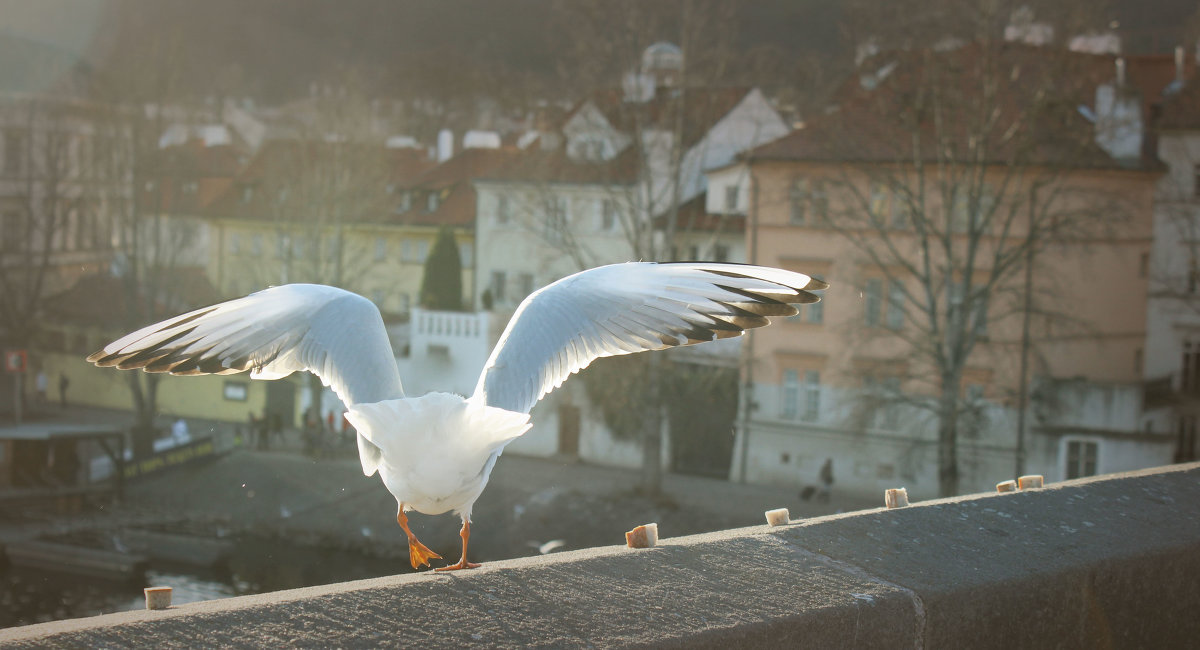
1102,563
1096,563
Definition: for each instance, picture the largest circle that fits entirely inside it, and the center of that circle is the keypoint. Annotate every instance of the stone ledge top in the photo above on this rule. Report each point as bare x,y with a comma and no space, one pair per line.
1032,567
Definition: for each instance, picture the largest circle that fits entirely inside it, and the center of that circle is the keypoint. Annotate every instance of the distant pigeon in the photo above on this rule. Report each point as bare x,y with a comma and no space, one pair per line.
548,547
435,452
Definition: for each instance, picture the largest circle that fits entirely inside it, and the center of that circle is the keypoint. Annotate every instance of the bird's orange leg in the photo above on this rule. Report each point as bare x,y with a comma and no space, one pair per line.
418,553
465,533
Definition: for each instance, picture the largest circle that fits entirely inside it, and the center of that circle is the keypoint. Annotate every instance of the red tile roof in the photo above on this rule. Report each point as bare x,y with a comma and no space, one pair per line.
104,299
279,159
453,180
874,123
694,216
1181,111
704,107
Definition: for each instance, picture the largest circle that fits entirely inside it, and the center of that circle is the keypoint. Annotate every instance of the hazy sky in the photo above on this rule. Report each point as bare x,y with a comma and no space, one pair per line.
67,24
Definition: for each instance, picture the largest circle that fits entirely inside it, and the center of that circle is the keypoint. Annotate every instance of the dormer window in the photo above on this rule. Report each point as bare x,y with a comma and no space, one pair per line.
431,202
731,198
503,209
247,193
405,203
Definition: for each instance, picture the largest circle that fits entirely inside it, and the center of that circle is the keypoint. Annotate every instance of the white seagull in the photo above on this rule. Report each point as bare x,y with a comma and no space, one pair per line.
435,452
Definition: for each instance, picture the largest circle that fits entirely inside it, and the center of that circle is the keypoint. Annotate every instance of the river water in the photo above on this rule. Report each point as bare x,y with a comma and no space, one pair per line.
255,566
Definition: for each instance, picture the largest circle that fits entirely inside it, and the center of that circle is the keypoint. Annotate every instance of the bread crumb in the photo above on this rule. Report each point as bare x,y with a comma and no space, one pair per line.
645,536
777,517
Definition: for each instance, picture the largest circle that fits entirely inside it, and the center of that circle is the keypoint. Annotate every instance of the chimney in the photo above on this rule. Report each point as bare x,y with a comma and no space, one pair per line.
445,145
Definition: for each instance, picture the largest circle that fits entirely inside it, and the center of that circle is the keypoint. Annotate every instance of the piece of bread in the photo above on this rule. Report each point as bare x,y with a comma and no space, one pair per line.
1030,481
777,517
645,536
896,497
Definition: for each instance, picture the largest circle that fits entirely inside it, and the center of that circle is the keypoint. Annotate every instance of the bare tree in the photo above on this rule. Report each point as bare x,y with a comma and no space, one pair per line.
666,56
955,171
311,189
41,215
143,84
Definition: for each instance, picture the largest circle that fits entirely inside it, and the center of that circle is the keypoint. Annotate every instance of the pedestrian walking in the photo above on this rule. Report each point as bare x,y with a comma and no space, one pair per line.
42,385
826,476
276,426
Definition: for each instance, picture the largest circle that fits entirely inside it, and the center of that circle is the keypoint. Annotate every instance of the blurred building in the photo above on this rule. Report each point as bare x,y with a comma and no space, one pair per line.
890,196
1173,336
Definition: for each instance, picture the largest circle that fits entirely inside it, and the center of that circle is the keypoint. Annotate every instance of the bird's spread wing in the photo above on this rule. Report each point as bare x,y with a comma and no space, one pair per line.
626,308
337,335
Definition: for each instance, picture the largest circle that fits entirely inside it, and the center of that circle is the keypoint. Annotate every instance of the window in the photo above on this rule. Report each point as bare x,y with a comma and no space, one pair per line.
1185,441
974,393
789,402
885,393
14,152
608,214
900,210
498,286
380,249
282,243
895,309
247,193
406,250
422,251
431,202
524,285
964,216
978,306
819,201
556,220
235,243
980,317
872,296
879,203
465,254
812,395
302,247
503,210
256,244
1081,458
1189,376
798,197
816,312
405,203
731,198
235,391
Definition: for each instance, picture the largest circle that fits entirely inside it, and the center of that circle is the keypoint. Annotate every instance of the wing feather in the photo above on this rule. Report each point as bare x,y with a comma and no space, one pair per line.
627,308
335,334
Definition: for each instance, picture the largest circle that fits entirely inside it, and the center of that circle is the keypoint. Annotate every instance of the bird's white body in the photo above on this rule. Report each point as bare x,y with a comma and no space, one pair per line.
437,449
436,452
